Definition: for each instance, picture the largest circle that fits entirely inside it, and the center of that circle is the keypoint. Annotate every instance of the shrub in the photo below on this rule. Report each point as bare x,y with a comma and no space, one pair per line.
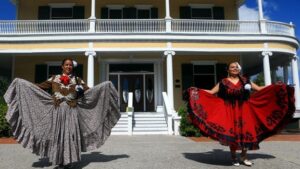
5,130
186,128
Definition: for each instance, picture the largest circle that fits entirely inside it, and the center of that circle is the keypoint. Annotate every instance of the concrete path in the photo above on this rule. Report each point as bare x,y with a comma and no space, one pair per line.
160,152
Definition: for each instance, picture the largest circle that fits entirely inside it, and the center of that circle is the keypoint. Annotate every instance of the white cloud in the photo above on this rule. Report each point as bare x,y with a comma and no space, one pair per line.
246,13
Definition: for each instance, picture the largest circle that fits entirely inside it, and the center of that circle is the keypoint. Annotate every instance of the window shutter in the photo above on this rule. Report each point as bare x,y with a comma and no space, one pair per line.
104,13
40,73
221,71
78,12
44,13
79,71
218,13
154,13
185,12
186,76
129,13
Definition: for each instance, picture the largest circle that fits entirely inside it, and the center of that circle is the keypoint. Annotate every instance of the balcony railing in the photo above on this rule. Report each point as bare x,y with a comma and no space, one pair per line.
130,25
20,27
215,26
151,26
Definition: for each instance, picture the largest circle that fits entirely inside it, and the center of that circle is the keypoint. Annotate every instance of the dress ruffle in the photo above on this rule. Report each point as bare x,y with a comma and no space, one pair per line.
62,132
242,126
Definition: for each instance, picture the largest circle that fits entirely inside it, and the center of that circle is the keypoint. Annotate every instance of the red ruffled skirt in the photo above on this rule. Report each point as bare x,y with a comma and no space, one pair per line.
242,126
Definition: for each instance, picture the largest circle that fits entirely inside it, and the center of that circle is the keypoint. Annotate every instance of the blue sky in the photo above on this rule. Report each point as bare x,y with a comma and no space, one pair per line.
276,10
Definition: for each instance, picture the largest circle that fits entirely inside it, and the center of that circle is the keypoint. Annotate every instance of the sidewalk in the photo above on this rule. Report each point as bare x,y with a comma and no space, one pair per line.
162,152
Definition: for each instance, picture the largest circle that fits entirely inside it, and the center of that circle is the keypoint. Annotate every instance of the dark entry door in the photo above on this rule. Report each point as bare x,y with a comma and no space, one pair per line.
134,84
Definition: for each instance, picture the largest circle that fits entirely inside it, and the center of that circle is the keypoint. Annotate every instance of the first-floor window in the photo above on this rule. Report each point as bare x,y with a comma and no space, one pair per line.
204,76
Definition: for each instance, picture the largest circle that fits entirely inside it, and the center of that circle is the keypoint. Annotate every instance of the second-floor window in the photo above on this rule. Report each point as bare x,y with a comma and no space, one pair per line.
136,12
205,12
115,14
62,13
201,13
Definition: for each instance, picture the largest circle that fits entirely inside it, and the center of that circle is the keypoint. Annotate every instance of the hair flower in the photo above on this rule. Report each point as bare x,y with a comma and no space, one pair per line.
247,86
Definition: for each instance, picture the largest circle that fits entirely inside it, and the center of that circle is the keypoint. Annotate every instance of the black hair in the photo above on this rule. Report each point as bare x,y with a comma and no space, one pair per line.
63,62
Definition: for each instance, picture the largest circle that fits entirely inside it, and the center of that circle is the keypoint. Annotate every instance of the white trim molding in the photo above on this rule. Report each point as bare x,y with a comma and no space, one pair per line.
143,6
192,5
115,6
61,5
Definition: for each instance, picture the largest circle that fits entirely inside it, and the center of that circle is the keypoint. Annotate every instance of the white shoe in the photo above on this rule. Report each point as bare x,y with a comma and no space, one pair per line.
247,162
235,163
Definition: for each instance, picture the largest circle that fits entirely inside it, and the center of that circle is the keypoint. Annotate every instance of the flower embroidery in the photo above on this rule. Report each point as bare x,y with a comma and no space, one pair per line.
65,79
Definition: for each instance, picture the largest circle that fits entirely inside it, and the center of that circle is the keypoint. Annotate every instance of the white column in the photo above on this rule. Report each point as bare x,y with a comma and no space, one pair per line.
170,84
260,9
262,21
285,74
266,64
92,17
90,71
296,81
168,18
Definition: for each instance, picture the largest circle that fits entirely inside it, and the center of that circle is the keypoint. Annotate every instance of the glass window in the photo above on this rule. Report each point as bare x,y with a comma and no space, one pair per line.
143,14
54,70
201,13
131,68
61,13
204,69
204,76
115,14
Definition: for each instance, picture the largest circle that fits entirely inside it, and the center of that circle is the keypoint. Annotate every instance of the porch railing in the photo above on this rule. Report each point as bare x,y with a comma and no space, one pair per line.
215,26
185,26
20,27
282,28
168,110
130,25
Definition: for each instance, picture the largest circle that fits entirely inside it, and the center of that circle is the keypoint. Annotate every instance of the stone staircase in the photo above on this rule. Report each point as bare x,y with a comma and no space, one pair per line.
121,128
143,123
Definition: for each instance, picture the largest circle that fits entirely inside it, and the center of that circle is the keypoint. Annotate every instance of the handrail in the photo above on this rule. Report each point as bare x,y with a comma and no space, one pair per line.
138,26
130,110
169,112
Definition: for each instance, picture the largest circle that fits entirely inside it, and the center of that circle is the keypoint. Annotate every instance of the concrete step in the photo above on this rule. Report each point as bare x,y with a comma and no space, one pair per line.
149,115
119,130
150,133
121,125
149,119
150,125
150,129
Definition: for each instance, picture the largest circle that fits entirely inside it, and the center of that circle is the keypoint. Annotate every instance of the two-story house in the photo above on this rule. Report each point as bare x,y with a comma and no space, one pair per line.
147,48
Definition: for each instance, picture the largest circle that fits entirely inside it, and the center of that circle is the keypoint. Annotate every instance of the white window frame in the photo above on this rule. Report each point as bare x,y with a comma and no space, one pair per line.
52,63
61,5
115,7
202,6
143,7
203,63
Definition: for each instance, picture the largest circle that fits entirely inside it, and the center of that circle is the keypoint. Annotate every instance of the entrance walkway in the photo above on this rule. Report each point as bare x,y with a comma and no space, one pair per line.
161,152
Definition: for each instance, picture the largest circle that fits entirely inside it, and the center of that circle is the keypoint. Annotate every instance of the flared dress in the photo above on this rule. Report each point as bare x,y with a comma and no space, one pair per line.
61,126
237,119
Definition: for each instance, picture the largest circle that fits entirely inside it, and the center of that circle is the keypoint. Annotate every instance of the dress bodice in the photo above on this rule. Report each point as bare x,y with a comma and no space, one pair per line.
63,88
231,92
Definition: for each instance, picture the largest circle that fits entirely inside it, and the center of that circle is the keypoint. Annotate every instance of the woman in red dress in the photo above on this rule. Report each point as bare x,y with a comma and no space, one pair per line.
237,119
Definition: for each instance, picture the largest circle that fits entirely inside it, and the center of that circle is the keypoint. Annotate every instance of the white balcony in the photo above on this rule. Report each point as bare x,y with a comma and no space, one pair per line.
143,26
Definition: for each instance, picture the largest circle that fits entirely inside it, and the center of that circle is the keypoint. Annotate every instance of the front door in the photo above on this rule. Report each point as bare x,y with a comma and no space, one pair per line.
135,78
134,84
